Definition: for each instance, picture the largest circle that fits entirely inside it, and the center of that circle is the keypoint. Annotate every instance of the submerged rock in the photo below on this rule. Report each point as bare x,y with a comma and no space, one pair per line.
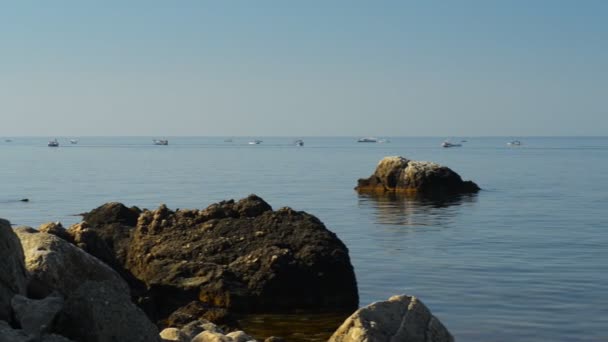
400,318
398,174
13,274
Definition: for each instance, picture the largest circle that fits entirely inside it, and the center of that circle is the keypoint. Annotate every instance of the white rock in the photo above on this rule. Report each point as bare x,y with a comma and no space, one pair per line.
401,318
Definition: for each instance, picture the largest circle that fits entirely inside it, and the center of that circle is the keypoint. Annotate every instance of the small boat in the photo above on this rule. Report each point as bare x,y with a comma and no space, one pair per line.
53,143
8,140
160,142
449,144
299,142
514,143
367,140
255,142
73,141
228,140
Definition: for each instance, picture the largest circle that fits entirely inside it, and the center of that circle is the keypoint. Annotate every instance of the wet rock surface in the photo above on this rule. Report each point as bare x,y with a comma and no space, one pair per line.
398,174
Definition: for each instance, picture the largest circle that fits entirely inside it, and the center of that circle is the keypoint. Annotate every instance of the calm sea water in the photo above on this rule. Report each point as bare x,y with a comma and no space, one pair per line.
524,260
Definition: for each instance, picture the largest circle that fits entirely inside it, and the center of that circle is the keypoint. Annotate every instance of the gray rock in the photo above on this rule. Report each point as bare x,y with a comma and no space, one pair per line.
401,318
13,275
240,336
54,338
57,265
103,311
36,316
8,334
210,336
194,328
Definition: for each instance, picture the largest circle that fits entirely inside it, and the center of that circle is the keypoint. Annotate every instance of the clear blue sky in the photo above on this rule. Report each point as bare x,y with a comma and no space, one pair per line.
387,68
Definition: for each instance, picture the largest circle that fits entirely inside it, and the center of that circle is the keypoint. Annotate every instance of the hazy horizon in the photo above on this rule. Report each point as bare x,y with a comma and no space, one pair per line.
269,68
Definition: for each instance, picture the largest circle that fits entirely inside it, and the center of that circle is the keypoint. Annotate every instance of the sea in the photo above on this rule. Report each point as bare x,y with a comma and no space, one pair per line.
525,259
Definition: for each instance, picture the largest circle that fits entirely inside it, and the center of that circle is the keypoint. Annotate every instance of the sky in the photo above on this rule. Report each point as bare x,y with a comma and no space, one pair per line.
304,68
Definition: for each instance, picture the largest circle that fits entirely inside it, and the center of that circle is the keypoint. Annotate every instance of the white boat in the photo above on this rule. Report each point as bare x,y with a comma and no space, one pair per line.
299,142
255,142
53,143
449,144
160,142
514,143
73,141
368,140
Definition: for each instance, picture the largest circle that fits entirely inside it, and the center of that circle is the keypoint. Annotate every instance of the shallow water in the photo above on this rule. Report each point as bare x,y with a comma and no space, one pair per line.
523,260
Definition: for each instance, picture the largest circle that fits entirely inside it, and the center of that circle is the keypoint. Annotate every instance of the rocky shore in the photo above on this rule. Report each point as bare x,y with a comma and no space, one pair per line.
126,274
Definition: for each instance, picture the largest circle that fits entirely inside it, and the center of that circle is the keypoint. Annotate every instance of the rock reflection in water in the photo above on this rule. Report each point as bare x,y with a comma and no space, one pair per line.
293,327
409,209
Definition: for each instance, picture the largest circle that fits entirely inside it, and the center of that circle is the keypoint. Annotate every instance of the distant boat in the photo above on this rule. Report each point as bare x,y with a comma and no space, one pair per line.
255,142
160,142
299,142
8,140
74,141
53,143
463,141
367,140
228,140
514,143
449,144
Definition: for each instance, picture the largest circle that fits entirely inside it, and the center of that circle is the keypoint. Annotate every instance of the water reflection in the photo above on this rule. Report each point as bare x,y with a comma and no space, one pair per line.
412,209
294,327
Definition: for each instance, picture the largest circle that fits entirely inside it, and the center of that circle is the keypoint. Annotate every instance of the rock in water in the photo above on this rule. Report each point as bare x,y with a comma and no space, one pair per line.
398,174
13,275
401,318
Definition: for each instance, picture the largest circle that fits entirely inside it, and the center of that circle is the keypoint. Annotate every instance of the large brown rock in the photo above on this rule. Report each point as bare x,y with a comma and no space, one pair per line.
398,174
401,318
113,224
56,265
13,275
236,255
